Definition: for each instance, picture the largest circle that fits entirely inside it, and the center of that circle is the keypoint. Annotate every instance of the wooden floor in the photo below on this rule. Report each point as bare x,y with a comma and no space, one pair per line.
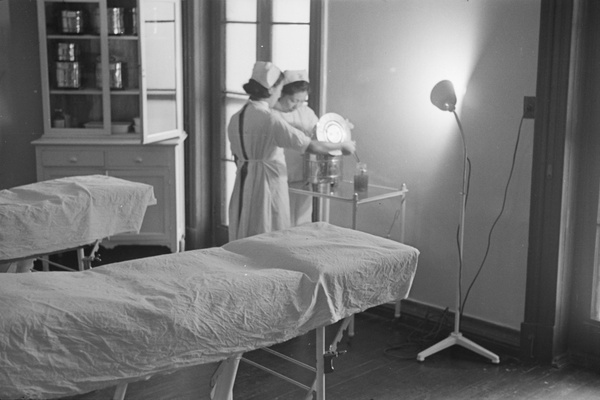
380,364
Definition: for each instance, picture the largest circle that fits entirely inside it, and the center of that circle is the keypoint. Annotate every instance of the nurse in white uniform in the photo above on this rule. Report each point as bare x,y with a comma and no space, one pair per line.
260,201
292,107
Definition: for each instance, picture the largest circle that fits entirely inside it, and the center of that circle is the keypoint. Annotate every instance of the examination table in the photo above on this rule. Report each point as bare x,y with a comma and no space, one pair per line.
63,214
65,333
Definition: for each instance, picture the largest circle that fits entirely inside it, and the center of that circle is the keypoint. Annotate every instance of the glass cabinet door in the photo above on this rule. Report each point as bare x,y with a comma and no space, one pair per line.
69,47
118,73
161,76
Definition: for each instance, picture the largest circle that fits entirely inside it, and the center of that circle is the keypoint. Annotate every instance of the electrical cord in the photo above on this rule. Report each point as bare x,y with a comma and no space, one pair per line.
396,215
415,341
489,239
410,343
468,180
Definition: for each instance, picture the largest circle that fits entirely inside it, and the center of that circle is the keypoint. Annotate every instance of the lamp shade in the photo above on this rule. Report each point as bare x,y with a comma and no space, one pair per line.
443,96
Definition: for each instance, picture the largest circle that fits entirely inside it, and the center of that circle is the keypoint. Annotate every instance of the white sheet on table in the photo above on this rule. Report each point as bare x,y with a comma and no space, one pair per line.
69,212
66,333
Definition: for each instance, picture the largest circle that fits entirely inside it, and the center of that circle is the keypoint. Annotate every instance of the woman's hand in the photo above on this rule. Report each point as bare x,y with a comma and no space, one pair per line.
348,147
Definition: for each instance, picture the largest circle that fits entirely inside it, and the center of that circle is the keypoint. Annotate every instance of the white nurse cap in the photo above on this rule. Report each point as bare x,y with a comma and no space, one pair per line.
265,73
292,76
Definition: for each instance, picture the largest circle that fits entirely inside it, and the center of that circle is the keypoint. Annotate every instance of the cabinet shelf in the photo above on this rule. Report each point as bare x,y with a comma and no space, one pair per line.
72,37
122,37
69,92
126,92
87,36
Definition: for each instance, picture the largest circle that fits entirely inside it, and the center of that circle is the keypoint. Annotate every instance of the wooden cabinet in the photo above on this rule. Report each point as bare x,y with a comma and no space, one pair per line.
112,95
159,165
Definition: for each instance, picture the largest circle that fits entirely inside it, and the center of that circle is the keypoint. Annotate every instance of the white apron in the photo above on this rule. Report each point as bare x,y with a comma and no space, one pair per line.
260,200
305,119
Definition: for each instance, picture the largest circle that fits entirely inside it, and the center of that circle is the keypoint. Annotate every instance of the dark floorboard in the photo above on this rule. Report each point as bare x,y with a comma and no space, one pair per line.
369,371
380,364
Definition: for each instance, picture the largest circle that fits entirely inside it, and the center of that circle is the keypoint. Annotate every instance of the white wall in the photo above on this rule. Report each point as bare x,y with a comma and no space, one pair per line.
384,56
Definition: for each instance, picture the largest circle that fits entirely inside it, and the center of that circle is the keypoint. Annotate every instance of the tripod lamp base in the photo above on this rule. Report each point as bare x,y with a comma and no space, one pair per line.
458,339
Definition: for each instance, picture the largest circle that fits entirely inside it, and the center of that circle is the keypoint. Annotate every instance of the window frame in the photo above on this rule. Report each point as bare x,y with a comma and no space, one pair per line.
219,93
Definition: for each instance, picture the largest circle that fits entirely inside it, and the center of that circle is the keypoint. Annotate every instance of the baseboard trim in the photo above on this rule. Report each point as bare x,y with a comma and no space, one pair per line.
495,337
585,360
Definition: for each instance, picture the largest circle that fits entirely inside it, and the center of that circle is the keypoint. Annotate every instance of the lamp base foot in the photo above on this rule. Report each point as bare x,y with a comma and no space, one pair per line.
458,339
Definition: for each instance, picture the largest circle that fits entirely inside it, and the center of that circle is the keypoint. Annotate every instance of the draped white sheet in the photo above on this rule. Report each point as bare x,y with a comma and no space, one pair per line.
63,333
65,213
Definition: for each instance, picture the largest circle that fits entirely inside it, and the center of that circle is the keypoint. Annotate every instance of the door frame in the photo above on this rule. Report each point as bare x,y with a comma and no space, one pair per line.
583,332
559,270
197,122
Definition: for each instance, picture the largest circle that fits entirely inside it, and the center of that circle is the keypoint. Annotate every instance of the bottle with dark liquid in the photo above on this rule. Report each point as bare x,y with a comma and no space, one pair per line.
361,178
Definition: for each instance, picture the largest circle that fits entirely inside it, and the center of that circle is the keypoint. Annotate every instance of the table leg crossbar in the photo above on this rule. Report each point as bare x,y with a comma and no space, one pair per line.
83,262
324,365
277,374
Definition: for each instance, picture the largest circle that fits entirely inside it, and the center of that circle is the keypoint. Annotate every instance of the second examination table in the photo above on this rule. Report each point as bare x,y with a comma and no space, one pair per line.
67,333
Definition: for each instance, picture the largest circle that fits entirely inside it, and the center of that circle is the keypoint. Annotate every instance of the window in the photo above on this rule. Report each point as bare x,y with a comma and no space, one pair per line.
267,30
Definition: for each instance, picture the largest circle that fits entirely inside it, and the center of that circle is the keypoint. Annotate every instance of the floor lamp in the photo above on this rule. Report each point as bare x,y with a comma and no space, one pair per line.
443,97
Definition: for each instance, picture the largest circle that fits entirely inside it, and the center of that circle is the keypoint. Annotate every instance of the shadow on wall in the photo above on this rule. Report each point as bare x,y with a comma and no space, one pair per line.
20,93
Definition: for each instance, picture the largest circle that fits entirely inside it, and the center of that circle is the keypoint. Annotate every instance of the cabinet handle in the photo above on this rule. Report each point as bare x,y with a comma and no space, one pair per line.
139,160
73,159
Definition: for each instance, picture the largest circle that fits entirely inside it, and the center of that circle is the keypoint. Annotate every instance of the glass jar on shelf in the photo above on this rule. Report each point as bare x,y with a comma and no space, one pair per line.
68,69
116,73
72,21
58,119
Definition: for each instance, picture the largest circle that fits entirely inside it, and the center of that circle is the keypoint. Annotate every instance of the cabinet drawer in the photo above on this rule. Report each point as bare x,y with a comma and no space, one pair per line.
87,158
137,158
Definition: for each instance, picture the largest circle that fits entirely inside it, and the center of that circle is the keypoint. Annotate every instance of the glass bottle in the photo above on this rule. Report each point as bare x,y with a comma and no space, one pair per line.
361,178
58,119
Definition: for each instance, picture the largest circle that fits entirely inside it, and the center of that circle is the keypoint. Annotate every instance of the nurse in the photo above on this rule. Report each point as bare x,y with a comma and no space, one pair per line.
260,201
292,107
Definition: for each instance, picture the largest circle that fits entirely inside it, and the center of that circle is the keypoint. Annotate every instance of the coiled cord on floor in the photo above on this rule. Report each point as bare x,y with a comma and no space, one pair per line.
418,338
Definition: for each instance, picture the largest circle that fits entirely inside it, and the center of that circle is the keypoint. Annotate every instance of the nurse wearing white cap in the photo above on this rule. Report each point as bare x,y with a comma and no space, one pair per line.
292,107
260,201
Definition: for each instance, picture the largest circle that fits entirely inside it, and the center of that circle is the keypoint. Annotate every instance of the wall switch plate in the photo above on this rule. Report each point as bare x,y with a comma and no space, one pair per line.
529,107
